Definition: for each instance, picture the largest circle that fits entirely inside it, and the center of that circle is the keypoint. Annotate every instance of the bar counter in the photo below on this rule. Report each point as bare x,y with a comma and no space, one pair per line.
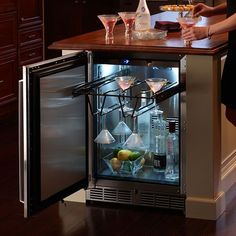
210,156
95,41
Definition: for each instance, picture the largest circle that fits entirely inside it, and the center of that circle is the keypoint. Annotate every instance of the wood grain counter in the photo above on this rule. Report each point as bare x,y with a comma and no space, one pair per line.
173,43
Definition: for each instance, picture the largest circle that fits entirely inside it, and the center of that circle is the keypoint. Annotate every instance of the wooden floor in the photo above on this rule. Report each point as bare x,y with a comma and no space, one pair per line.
81,220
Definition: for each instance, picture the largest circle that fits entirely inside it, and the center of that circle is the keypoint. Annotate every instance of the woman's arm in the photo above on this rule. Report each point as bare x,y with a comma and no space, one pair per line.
204,10
224,26
201,32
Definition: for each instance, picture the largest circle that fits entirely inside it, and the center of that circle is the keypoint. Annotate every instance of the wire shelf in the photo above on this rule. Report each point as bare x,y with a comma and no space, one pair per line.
93,90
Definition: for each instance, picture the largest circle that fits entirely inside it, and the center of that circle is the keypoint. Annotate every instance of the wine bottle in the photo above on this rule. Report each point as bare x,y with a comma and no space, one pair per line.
143,18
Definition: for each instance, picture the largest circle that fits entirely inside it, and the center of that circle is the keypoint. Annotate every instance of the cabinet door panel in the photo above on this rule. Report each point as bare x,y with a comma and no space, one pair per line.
31,54
30,35
8,34
29,12
28,55
8,77
7,5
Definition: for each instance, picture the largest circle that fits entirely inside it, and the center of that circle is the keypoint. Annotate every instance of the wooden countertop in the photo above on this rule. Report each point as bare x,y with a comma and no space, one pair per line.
173,43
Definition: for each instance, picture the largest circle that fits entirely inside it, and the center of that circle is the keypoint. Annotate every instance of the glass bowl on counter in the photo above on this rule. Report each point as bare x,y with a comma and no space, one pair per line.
149,34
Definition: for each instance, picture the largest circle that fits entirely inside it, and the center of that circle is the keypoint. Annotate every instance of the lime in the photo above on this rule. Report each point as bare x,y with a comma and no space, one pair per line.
115,151
134,155
127,166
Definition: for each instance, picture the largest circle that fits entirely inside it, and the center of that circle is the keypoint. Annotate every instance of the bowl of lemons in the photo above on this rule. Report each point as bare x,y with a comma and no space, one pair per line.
125,161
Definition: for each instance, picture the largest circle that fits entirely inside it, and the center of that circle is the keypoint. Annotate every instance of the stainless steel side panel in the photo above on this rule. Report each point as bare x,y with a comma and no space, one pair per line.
21,135
24,144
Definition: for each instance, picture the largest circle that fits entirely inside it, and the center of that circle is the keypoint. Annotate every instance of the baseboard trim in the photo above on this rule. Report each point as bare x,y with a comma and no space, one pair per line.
228,172
205,208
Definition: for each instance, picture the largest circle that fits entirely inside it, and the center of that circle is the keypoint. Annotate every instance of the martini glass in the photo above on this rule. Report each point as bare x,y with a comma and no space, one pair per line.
122,129
129,20
188,21
104,137
134,141
124,83
109,21
156,84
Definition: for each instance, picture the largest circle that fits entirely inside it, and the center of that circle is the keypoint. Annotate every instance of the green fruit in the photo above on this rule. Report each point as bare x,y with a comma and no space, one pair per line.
123,155
115,151
134,155
127,166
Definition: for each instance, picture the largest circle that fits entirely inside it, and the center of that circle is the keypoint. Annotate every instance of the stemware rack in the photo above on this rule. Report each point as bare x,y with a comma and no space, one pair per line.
93,89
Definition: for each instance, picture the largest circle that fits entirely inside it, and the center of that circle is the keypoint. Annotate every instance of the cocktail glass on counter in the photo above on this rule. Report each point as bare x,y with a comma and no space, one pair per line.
129,20
109,21
188,21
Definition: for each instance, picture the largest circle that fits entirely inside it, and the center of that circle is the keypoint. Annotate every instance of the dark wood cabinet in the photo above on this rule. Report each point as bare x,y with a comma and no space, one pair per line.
8,5
66,18
8,32
21,43
8,57
30,12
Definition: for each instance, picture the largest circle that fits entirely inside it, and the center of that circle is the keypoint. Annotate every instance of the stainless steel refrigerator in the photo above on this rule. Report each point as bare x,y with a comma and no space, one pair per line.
66,102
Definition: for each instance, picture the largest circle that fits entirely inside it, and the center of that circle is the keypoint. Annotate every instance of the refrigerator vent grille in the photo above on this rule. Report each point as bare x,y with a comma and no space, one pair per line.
96,194
177,203
162,201
147,199
171,202
124,196
111,195
142,198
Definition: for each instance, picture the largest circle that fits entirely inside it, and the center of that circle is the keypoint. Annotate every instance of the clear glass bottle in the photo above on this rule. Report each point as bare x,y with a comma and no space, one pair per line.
143,18
144,121
158,140
172,153
157,125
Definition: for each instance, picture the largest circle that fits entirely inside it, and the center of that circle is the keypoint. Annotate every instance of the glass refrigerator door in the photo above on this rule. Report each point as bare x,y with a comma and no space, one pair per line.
54,131
132,120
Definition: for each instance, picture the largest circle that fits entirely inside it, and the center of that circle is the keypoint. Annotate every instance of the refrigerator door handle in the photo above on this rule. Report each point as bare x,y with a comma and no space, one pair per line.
20,144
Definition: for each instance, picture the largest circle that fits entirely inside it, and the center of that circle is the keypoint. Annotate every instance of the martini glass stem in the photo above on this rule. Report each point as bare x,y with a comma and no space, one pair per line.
135,125
104,126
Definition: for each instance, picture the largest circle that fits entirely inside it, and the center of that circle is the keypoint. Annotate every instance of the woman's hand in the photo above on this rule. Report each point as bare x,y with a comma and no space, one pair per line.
202,10
195,33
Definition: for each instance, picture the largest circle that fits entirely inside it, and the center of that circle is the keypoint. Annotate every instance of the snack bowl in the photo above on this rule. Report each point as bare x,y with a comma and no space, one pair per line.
129,166
149,34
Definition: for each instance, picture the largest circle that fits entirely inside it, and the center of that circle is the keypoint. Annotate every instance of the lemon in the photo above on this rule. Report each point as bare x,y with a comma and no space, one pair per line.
142,161
123,155
115,163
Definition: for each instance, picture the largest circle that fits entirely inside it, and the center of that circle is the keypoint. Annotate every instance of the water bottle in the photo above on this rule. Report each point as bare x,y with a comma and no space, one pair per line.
143,18
158,140
144,121
172,153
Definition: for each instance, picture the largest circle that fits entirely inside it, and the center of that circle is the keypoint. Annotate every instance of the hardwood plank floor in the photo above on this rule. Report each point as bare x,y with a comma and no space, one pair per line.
69,219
